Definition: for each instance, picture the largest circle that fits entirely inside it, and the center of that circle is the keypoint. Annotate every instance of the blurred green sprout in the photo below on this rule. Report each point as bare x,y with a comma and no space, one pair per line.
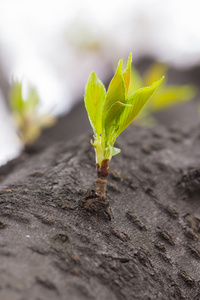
110,112
166,96
25,114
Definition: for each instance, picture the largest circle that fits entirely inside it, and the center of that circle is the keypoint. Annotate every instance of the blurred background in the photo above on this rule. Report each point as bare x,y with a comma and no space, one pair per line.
52,46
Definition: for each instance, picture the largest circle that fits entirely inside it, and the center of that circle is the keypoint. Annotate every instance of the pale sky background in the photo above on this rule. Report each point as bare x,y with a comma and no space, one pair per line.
54,45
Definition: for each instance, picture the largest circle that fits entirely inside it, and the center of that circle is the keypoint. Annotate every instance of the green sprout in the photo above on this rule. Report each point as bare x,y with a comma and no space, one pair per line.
167,95
28,122
110,113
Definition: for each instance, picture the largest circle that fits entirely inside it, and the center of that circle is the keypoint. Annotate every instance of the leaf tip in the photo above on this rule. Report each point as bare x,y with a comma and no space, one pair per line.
120,65
129,60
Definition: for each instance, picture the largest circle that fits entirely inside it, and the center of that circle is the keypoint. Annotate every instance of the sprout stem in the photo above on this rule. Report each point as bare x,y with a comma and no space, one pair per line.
101,187
101,181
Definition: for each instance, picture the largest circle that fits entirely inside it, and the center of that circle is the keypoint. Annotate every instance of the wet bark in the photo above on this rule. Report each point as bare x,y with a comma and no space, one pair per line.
53,248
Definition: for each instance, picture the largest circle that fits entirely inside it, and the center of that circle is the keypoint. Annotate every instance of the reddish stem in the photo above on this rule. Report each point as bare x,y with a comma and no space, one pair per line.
102,173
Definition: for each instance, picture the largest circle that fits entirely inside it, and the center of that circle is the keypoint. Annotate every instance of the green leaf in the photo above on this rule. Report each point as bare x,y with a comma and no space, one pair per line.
114,112
95,94
111,120
172,95
115,93
15,96
136,81
32,99
137,100
127,73
114,151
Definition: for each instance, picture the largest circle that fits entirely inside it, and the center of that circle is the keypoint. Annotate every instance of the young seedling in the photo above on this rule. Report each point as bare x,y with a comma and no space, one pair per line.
24,111
109,114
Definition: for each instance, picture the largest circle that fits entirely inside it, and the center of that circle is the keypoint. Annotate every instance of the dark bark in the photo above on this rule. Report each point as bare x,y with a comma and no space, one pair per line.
52,248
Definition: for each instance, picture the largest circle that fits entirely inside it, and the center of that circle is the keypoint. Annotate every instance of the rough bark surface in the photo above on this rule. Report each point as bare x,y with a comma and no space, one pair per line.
51,248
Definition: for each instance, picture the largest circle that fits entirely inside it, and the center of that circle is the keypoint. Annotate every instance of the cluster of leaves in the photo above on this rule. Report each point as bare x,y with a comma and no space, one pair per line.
165,97
25,114
112,111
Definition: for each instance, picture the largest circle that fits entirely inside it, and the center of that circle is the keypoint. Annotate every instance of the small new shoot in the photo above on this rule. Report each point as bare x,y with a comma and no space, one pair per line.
28,121
110,112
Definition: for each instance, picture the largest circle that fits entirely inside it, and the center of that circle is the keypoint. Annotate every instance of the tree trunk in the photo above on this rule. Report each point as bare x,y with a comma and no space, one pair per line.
52,248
